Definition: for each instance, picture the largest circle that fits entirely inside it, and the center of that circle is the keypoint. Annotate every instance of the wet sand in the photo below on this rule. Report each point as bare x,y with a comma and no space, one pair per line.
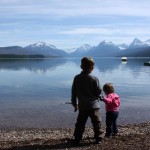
63,116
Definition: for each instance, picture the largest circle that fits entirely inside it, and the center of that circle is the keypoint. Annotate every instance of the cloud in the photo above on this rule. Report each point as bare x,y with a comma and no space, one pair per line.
71,8
88,31
128,30
77,21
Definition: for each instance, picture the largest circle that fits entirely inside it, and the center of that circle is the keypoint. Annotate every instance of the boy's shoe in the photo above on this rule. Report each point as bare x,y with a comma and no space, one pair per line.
75,142
98,141
114,134
107,136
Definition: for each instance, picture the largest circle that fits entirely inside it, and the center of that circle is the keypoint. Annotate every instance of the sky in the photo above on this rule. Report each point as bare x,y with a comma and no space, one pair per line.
69,24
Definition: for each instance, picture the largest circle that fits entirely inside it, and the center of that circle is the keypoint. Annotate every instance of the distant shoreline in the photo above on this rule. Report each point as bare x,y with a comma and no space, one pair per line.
8,56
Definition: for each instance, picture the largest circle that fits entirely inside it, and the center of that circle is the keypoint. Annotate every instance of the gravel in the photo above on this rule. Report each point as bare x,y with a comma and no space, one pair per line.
130,137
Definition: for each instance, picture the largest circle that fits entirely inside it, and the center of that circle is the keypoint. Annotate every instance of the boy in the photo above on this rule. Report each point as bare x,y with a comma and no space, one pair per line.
85,92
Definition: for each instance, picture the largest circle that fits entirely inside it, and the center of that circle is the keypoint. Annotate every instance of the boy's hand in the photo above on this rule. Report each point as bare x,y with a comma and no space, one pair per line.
75,108
101,98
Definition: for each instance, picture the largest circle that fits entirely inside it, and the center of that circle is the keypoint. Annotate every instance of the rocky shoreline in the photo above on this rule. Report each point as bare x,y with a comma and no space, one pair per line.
131,137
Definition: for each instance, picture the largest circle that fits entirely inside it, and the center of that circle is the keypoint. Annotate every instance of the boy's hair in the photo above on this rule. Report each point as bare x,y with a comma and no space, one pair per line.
108,88
87,63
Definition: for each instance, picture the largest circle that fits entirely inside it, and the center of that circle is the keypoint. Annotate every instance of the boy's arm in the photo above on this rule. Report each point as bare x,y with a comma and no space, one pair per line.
75,108
73,96
98,89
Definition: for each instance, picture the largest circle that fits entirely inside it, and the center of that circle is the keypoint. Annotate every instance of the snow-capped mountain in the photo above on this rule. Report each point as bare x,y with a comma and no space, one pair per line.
44,49
123,46
81,50
104,49
147,42
42,44
106,43
137,48
137,43
70,50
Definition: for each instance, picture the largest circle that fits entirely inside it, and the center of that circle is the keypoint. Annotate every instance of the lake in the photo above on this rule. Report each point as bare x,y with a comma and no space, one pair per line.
33,92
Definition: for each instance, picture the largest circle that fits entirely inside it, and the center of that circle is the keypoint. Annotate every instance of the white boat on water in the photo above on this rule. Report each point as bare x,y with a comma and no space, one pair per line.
147,63
124,58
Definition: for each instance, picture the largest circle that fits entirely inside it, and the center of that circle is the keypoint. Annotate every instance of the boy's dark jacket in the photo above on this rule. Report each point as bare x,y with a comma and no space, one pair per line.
85,91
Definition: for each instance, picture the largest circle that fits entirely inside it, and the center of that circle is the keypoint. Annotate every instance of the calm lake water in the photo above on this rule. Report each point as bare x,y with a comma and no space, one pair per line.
33,91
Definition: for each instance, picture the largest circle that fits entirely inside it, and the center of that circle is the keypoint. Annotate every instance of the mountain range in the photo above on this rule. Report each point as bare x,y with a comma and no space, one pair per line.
137,48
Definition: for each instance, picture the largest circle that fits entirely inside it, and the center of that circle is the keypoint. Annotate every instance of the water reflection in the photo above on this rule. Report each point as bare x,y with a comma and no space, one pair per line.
31,64
124,62
30,75
102,64
40,86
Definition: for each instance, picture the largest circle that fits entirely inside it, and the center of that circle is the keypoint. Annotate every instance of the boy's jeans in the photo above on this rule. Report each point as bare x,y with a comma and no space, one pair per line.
111,123
83,115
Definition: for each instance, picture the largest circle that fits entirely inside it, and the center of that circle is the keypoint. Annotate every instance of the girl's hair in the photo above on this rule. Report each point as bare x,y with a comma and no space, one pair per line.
108,88
87,63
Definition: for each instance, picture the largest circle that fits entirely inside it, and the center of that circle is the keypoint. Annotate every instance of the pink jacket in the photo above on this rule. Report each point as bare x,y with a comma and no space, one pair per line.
112,102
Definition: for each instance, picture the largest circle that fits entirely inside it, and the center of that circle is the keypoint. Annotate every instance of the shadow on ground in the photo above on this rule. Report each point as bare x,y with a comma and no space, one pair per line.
61,144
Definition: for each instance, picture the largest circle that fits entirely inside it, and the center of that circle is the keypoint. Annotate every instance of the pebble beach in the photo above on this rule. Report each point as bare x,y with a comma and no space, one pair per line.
130,136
